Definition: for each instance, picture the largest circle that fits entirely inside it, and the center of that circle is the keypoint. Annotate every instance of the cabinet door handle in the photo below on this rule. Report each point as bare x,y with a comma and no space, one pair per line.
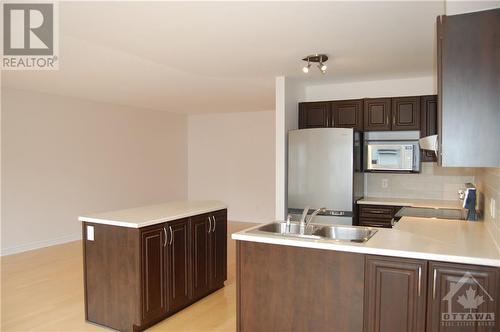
215,223
419,279
165,233
171,235
209,224
434,284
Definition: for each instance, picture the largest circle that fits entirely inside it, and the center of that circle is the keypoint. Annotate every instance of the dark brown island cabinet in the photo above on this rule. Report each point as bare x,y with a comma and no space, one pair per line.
373,114
136,277
304,289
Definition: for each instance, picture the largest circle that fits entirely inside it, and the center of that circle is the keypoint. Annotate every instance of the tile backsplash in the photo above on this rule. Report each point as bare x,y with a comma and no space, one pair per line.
487,181
433,182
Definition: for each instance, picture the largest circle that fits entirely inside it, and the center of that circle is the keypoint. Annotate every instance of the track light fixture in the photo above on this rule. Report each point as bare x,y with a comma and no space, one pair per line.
320,59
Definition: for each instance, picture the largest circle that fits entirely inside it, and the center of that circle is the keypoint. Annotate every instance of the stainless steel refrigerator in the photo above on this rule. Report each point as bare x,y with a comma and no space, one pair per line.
324,170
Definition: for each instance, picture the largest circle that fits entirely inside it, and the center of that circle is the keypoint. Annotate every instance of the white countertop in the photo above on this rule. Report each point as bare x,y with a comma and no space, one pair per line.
420,238
154,214
413,202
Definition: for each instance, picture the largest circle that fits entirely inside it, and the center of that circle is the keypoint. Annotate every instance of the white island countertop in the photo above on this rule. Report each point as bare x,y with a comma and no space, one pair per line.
153,214
420,238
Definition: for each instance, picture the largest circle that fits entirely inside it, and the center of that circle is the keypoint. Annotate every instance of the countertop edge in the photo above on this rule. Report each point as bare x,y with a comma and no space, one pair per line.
365,250
149,222
409,202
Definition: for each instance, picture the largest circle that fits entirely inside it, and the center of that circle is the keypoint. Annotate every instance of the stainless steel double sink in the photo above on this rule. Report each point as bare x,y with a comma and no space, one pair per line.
357,234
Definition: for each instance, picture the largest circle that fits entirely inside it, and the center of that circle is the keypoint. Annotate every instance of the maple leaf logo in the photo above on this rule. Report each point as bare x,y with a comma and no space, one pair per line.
470,300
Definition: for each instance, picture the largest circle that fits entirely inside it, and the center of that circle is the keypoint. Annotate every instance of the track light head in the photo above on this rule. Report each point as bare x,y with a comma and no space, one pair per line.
320,59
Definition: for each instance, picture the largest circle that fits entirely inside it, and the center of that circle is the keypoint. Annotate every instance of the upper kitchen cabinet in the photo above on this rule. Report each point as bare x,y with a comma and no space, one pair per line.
468,89
348,114
405,113
428,123
377,114
314,115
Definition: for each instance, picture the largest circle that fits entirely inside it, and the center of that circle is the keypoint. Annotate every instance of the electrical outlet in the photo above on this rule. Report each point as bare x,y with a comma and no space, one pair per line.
492,208
90,233
385,183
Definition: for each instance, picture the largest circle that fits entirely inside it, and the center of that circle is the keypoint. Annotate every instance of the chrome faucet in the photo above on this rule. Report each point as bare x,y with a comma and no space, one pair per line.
304,222
304,215
314,215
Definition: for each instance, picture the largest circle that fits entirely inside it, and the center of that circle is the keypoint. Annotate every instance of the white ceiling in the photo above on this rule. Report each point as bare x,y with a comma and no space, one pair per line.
195,57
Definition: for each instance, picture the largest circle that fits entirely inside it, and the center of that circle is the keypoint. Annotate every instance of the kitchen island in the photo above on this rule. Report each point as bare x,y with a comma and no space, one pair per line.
401,279
144,264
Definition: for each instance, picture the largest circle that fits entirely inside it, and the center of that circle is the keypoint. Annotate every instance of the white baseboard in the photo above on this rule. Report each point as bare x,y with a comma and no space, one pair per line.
40,244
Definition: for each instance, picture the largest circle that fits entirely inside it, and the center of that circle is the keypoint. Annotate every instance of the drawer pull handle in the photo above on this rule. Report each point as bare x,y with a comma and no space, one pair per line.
419,279
378,211
165,234
434,284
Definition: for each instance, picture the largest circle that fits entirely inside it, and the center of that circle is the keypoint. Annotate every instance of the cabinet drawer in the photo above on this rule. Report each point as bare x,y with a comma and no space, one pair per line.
377,211
374,222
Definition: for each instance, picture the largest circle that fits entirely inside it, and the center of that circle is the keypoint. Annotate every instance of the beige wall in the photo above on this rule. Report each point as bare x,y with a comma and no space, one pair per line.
487,181
231,158
412,86
62,157
433,182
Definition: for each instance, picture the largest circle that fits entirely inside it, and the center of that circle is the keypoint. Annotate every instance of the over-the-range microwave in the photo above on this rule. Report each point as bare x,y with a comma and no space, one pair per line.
392,151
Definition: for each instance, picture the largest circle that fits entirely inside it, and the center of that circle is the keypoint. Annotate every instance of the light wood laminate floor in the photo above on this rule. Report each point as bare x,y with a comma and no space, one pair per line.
42,290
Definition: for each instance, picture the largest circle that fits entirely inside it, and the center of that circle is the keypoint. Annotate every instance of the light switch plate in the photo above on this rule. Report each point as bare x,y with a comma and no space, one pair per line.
90,233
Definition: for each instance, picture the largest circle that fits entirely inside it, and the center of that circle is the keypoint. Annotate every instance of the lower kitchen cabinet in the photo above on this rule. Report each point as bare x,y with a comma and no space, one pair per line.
200,232
135,277
153,272
459,288
208,236
218,249
178,253
288,288
284,288
417,295
395,294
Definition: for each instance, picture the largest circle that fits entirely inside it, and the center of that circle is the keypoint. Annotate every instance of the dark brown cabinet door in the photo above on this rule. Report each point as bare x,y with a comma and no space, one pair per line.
468,87
459,288
179,260
395,294
314,115
348,114
428,123
218,244
405,113
153,272
377,114
200,228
